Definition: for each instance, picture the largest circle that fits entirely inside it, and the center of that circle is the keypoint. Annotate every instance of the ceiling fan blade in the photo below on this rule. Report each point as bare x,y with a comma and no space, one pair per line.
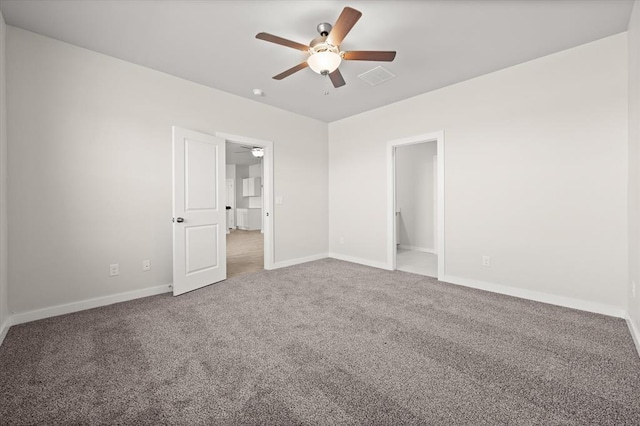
281,41
290,71
337,79
343,25
369,55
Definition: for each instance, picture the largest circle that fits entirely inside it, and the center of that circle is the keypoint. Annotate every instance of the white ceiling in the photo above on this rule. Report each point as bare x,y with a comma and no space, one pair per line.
213,42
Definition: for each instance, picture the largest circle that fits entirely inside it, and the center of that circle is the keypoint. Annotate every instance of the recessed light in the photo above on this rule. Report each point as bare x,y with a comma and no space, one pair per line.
258,92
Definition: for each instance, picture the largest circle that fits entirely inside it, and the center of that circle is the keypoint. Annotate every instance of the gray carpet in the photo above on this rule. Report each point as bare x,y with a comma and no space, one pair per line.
326,342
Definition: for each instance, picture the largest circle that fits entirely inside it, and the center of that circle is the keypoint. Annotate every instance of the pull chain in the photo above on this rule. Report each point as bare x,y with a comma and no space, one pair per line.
327,85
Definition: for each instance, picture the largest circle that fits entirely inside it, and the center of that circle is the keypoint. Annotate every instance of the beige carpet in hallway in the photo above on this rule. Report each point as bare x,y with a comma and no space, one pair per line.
245,252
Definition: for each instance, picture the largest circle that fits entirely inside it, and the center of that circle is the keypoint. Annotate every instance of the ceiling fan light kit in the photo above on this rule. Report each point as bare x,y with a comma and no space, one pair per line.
324,52
324,62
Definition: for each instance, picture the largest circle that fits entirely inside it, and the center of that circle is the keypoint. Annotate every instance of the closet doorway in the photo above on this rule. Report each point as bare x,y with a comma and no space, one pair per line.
416,204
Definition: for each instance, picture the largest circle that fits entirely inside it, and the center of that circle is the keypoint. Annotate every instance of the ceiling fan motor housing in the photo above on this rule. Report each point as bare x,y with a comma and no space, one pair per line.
320,44
324,28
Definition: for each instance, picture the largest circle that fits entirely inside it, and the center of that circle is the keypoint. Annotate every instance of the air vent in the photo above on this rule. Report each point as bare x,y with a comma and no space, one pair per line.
376,76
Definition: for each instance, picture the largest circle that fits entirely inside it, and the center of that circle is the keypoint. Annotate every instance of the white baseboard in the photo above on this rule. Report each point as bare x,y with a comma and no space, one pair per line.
414,248
4,329
299,260
366,262
87,304
552,299
635,332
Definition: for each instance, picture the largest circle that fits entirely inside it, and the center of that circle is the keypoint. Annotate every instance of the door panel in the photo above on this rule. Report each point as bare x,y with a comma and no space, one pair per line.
199,195
201,171
201,247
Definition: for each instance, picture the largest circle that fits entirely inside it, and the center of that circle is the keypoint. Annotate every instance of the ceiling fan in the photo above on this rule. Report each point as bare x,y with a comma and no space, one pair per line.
256,151
324,51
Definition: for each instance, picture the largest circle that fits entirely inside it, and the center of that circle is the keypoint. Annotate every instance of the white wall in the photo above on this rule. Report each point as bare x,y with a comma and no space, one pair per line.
634,169
4,291
230,171
535,175
416,196
242,172
90,170
255,170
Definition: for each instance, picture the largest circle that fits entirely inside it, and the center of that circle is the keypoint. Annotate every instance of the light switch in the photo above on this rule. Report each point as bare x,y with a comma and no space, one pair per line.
279,200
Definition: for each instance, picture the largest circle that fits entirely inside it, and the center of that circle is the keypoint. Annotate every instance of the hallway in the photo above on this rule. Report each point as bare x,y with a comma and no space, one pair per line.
245,252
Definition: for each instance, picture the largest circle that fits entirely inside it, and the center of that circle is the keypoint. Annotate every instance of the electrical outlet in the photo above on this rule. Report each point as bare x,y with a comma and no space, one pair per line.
341,240
113,270
146,265
486,261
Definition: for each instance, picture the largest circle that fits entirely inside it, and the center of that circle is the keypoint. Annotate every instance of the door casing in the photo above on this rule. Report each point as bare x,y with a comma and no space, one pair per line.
231,202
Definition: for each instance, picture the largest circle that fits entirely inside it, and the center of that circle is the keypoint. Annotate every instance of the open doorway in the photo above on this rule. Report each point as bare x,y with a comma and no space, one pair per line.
416,208
416,204
249,177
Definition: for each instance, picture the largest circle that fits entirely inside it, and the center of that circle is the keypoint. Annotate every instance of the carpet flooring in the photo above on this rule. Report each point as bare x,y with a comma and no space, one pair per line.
323,343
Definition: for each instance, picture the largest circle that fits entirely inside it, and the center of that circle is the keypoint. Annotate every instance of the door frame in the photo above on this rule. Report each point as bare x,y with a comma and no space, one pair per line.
233,207
267,190
438,138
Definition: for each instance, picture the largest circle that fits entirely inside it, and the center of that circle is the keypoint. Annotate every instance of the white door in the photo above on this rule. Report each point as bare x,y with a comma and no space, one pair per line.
199,210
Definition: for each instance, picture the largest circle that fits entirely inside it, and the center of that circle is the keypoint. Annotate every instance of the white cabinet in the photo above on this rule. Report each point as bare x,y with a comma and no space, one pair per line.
249,219
251,187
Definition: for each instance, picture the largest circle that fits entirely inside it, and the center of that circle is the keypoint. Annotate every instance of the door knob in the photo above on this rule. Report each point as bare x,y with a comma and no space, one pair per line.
179,220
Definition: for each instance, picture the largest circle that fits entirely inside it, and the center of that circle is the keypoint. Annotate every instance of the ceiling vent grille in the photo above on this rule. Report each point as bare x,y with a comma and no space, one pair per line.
376,76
